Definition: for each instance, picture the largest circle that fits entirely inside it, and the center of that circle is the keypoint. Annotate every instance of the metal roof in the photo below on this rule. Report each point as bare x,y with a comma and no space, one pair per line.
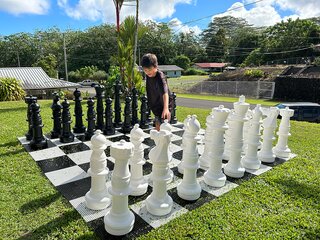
33,78
211,65
169,68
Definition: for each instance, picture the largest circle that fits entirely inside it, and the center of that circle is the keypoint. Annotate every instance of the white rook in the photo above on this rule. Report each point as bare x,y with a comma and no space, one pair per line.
269,125
281,149
138,184
98,198
119,220
159,203
189,188
238,117
214,175
250,160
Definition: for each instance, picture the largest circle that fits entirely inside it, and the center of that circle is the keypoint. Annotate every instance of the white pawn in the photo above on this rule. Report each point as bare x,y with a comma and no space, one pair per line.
98,198
138,184
281,149
234,168
204,159
185,123
269,125
214,175
167,126
119,220
246,128
227,138
159,203
250,160
190,189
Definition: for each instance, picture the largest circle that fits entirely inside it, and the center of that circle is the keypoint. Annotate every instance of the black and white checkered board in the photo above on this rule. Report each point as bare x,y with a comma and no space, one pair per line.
66,165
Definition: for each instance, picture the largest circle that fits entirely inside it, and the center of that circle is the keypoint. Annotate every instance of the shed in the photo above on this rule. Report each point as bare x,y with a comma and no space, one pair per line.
170,70
210,67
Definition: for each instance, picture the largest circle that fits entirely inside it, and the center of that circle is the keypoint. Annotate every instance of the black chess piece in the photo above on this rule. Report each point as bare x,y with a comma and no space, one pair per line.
173,118
29,100
66,134
117,104
149,118
126,126
134,107
56,116
38,141
99,90
91,118
79,127
144,112
109,128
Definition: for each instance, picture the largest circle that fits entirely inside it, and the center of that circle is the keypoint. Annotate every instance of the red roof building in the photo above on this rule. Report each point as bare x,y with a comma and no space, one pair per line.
211,67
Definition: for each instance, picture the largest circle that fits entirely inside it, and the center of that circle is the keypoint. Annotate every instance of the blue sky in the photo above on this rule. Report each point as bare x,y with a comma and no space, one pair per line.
30,15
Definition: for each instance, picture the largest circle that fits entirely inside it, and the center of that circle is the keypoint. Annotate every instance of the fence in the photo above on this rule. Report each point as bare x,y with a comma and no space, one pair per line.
256,89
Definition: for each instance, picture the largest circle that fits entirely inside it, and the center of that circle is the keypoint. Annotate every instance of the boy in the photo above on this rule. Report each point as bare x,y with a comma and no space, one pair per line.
157,89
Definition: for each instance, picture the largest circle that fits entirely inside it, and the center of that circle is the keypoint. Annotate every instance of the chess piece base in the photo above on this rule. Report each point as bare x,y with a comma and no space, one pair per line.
282,153
215,179
98,202
189,192
159,207
119,224
234,173
139,187
251,163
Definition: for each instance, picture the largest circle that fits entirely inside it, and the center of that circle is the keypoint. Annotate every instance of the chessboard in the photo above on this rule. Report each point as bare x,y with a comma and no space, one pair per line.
66,166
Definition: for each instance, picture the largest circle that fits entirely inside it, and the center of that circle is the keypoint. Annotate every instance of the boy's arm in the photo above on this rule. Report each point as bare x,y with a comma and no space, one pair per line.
165,112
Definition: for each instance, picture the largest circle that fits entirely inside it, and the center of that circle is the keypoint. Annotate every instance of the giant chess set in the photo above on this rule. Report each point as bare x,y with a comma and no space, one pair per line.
125,178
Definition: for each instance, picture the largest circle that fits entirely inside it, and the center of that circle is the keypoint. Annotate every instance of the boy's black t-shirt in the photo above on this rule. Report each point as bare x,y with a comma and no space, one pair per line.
156,87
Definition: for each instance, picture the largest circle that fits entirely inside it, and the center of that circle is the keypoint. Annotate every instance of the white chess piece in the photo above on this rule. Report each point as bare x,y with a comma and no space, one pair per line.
281,149
250,160
214,175
185,123
204,159
167,126
159,203
246,129
269,125
227,138
190,189
98,198
234,168
138,184
119,220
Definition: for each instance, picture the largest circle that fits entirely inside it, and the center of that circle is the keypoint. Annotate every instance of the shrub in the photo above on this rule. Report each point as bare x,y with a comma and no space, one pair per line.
317,61
256,73
193,71
11,90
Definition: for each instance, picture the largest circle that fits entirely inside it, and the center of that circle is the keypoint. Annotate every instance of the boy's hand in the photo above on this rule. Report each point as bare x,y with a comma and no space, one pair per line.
166,114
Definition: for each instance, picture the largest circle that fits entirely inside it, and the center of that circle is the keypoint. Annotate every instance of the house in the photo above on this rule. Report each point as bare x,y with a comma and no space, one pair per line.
34,80
210,67
170,70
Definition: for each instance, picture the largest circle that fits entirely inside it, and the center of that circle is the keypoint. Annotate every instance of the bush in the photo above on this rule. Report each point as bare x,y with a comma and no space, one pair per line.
317,61
193,71
11,90
256,73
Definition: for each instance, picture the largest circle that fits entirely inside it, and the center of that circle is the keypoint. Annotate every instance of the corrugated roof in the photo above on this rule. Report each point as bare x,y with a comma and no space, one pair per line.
35,78
169,68
211,65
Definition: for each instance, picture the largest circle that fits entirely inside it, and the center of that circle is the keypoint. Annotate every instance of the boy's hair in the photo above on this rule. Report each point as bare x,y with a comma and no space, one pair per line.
149,60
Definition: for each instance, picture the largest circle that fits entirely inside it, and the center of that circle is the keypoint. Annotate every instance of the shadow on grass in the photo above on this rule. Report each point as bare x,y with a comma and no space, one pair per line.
35,204
55,225
13,152
13,110
10,144
292,187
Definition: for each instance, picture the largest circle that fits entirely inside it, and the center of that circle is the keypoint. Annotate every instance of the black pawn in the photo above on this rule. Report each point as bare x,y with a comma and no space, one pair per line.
109,128
126,126
66,134
173,119
91,118
29,100
134,107
149,118
144,113
99,90
79,127
117,104
38,141
56,116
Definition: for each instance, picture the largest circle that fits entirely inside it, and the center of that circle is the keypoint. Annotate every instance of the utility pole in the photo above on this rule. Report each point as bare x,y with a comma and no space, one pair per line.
65,57
18,58
135,39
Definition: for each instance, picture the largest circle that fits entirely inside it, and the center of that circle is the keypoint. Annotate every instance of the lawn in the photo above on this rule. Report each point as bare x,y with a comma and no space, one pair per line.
283,203
181,84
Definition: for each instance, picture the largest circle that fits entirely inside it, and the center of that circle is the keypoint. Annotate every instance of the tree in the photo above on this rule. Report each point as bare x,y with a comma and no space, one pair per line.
182,61
216,48
48,64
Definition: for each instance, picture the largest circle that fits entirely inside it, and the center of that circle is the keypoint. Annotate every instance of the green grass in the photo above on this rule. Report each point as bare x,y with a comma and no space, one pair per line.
264,102
283,203
183,83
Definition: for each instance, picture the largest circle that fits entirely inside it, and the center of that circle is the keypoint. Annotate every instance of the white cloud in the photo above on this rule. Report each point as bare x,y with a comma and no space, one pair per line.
266,13
105,10
177,26
17,7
